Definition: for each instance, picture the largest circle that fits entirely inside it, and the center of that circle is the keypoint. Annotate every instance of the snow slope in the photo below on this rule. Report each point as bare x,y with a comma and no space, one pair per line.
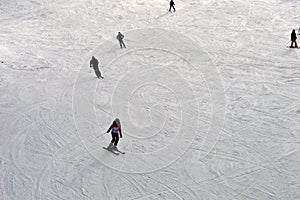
208,99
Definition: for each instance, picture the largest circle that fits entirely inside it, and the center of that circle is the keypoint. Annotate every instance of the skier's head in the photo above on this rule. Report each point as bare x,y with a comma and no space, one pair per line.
293,30
93,57
118,123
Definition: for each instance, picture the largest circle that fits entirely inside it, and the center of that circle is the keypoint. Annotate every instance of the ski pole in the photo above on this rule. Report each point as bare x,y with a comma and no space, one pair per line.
101,135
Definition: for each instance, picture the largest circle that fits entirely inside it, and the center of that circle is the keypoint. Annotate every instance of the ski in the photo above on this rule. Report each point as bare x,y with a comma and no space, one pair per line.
121,152
292,47
111,151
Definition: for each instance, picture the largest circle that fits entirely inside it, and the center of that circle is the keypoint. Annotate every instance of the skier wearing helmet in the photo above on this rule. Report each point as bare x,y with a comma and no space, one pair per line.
115,129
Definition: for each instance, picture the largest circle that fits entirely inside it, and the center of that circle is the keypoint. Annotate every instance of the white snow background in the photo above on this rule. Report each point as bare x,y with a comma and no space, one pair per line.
208,98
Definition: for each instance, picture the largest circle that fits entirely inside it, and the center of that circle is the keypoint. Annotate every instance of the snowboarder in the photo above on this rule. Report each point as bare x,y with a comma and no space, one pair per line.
293,39
115,129
120,37
172,5
94,64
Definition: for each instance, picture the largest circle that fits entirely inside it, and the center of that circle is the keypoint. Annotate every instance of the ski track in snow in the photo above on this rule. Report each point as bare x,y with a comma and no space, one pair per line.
54,114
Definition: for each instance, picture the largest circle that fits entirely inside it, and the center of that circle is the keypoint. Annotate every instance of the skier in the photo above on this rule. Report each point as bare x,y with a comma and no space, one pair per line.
172,5
115,129
120,37
94,64
293,39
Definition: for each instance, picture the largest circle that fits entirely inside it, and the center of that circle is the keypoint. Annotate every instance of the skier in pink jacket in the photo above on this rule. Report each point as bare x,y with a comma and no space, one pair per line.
115,129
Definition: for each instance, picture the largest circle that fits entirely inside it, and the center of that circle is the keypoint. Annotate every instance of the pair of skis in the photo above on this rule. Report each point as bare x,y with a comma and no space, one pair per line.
116,152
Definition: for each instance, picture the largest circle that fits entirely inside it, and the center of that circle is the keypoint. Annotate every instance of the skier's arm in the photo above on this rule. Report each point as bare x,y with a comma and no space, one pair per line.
120,130
111,126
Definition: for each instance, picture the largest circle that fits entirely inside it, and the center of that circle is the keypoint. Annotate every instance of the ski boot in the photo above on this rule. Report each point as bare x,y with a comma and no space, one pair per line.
110,146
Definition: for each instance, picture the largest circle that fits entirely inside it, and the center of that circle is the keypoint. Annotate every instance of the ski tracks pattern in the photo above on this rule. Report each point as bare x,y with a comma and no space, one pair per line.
255,157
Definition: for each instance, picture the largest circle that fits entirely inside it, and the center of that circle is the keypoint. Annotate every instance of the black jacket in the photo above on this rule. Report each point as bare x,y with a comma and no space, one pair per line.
293,36
94,63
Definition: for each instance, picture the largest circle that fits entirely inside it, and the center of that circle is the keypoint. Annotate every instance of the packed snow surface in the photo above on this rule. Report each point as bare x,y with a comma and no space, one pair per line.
208,98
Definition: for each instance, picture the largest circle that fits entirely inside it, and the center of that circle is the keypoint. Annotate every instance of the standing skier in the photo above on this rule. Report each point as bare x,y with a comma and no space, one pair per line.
172,5
293,39
115,129
120,37
94,64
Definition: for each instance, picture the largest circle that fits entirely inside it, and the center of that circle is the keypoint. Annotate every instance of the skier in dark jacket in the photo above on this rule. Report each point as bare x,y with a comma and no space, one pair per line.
94,64
293,39
115,129
172,5
120,37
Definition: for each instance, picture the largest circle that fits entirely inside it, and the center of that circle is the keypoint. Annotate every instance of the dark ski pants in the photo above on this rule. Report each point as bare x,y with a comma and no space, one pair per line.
172,7
98,73
115,138
122,44
294,42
